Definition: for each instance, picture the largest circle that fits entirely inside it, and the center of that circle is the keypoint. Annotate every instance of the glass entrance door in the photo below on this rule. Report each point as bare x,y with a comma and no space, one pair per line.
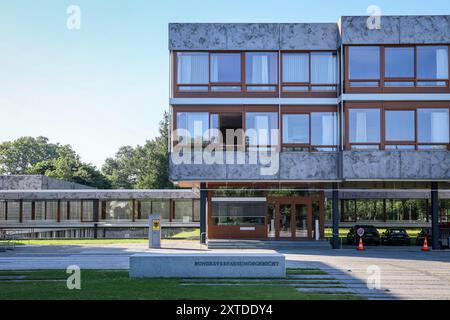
301,220
285,221
289,218
270,222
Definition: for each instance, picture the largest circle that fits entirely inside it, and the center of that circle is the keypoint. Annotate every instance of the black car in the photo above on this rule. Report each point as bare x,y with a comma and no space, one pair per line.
371,235
394,236
425,232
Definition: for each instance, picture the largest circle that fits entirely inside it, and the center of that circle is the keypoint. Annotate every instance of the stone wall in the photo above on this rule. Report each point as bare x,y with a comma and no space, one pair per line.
307,166
36,182
253,36
404,165
326,166
396,30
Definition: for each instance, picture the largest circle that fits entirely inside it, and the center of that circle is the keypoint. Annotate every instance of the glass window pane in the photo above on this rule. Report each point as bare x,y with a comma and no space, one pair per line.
75,210
296,128
116,210
433,125
196,125
261,67
261,128
161,207
225,67
364,125
51,210
295,67
432,62
196,210
238,213
324,129
323,68
183,211
364,63
13,211
399,62
192,67
400,125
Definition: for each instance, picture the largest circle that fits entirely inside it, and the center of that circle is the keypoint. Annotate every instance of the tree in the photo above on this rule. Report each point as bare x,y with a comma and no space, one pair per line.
142,167
28,155
18,156
120,170
68,166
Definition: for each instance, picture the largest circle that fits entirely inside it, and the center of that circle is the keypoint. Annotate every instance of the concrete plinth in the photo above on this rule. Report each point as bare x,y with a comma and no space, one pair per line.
204,265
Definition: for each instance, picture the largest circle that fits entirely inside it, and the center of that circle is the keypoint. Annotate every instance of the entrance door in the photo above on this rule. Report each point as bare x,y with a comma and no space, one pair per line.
292,217
302,227
285,224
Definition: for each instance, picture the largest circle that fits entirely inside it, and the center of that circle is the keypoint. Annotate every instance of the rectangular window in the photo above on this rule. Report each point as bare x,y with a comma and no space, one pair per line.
323,68
192,68
117,210
295,67
296,128
3,206
161,207
194,126
364,63
261,128
364,125
238,213
400,125
13,211
433,125
324,129
183,211
75,210
432,62
399,62
225,67
196,210
261,68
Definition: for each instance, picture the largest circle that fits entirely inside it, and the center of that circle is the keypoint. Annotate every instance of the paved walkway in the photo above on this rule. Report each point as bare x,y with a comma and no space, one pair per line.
406,273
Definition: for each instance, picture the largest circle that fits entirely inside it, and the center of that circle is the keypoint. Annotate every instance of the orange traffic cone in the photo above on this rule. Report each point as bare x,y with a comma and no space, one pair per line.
425,245
360,245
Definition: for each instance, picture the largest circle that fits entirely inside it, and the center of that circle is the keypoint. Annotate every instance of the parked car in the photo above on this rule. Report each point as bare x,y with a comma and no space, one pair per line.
371,235
421,237
394,236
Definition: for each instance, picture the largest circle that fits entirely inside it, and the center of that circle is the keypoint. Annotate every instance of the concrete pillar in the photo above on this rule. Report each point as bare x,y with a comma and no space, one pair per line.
203,218
335,214
435,232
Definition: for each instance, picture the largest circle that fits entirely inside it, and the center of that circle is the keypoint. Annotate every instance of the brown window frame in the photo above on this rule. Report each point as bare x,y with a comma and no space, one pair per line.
221,109
393,106
309,84
292,110
242,84
382,88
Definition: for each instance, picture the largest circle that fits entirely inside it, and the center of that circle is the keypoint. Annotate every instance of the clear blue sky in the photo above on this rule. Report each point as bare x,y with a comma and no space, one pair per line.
106,85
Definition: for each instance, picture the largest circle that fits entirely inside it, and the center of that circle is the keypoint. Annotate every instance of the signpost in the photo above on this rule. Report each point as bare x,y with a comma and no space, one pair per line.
154,231
360,232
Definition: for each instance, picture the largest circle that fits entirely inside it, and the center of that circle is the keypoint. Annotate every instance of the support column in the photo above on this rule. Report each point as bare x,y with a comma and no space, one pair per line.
335,214
95,206
435,232
203,199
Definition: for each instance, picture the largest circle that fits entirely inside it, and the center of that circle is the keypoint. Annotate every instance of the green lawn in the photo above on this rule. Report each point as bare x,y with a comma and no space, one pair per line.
111,285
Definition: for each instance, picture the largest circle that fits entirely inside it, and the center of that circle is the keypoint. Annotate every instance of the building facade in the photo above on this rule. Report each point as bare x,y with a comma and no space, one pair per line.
42,207
292,128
